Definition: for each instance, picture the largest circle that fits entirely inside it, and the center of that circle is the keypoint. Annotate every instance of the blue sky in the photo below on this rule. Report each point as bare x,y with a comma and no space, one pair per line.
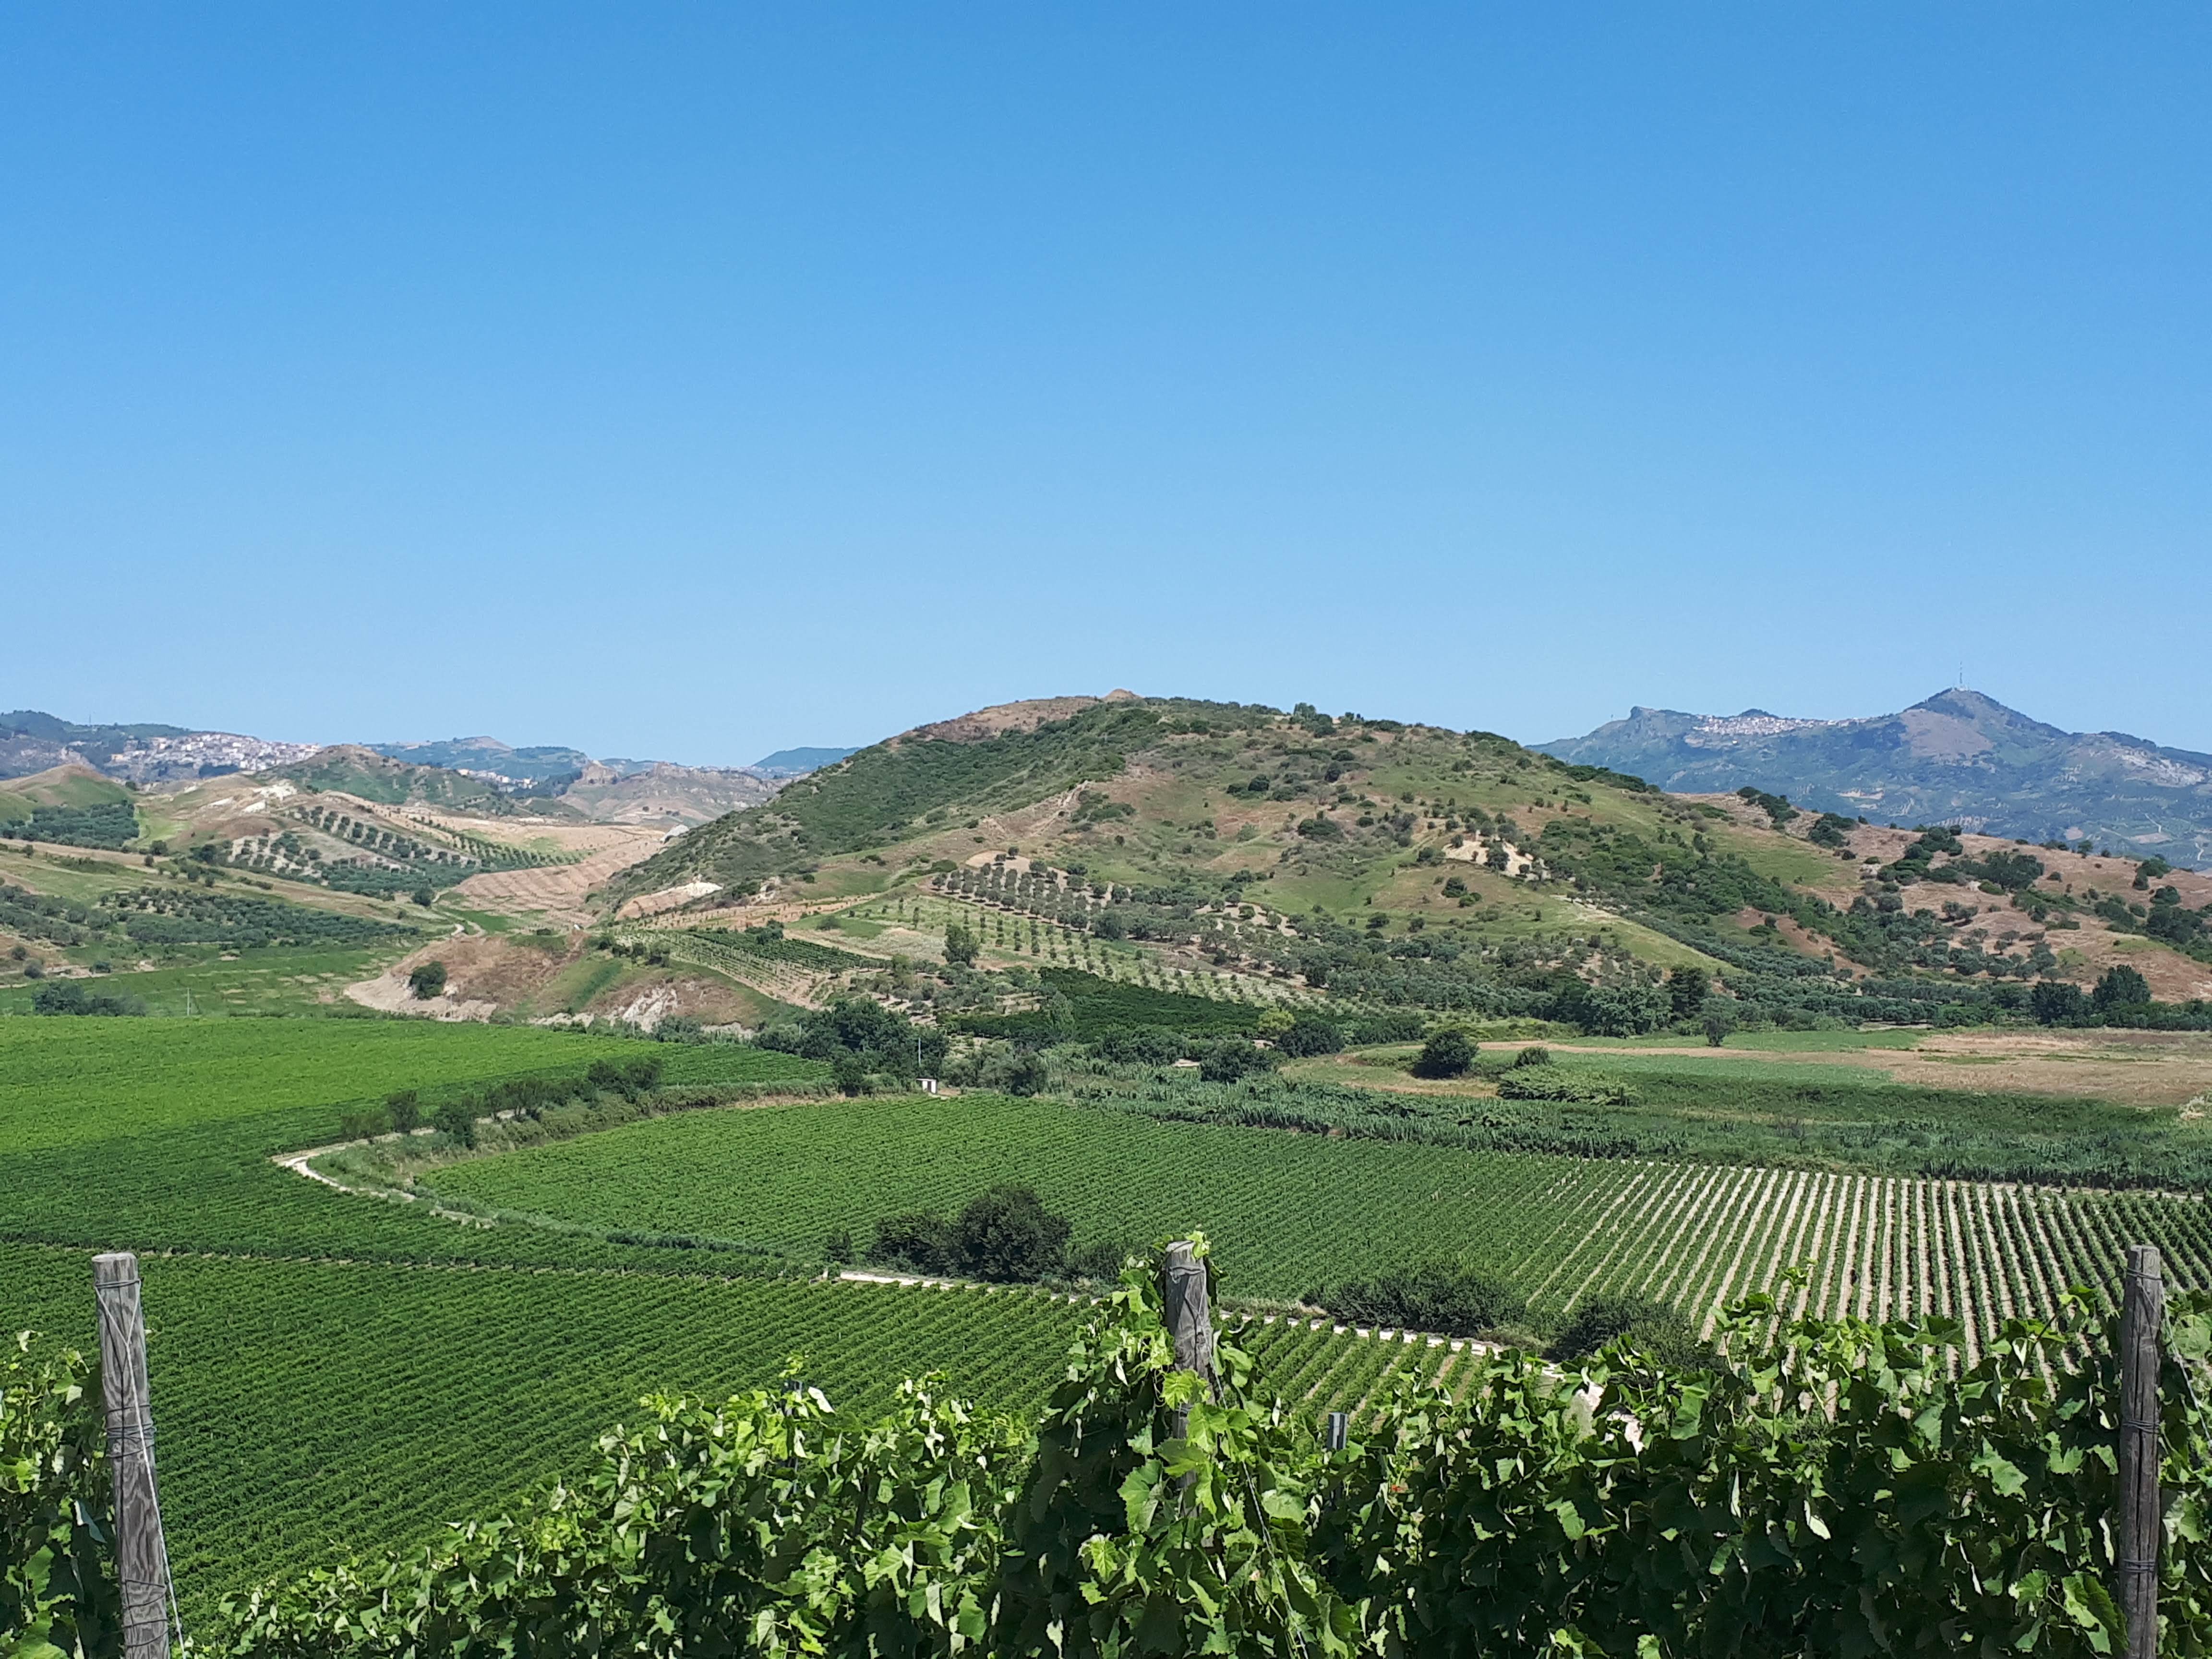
691,381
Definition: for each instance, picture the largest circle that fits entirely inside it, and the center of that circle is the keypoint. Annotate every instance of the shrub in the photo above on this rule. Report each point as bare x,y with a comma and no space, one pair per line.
363,1125
1006,1235
1688,988
404,1109
1574,1088
1449,1053
1146,1045
2120,988
68,996
627,1077
922,1242
884,1041
1832,830
1400,1026
1536,1054
457,1119
428,980
1653,1329
2054,1002
1018,1071
1310,1034
1230,1059
1447,1297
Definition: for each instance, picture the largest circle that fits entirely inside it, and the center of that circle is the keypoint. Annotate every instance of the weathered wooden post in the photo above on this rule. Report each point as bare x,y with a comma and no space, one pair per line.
1189,1315
2142,1316
142,1554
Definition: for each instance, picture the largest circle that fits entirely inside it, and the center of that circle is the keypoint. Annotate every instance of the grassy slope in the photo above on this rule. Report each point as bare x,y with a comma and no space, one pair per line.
276,981
62,786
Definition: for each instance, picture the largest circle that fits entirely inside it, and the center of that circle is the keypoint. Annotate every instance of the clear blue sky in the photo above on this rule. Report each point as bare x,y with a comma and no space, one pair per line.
690,381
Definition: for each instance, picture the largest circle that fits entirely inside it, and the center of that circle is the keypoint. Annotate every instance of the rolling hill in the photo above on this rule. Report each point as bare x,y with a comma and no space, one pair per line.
1400,865
1958,757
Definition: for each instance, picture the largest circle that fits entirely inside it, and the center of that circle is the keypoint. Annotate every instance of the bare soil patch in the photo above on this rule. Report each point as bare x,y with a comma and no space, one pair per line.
560,892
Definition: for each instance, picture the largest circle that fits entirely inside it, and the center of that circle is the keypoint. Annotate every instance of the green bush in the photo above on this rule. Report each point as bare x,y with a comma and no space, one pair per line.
428,980
1309,1034
1552,1082
58,1589
1449,1053
1447,1297
1004,1234
1655,1328
1232,1058
68,996
1017,1072
457,1120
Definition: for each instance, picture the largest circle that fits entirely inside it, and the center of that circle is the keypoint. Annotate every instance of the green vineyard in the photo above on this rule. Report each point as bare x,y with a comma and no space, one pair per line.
311,1409
1293,1212
336,1373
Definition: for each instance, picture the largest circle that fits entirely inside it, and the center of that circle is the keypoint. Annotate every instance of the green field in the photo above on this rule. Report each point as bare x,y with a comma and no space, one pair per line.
1290,1212
276,981
1750,1107
309,1408
333,1373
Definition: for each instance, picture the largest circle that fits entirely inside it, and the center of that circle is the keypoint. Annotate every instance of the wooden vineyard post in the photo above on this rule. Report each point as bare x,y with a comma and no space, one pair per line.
1189,1315
2142,1315
142,1554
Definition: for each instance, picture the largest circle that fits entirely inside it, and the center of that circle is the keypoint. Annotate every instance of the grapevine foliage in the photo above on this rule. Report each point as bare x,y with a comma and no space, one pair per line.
1826,1487
58,1591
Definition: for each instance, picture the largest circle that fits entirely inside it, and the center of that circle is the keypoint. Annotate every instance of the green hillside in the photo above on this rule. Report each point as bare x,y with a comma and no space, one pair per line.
363,773
1376,863
72,805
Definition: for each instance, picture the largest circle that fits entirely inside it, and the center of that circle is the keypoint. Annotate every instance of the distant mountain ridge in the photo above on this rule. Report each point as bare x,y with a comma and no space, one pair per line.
477,773
798,762
1957,757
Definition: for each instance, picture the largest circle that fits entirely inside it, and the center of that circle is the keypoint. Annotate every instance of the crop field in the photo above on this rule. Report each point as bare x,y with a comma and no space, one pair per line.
279,980
306,1408
1289,1212
156,1135
333,1372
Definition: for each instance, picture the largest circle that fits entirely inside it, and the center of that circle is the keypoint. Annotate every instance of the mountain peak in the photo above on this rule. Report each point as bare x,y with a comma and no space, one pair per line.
1959,757
1967,703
